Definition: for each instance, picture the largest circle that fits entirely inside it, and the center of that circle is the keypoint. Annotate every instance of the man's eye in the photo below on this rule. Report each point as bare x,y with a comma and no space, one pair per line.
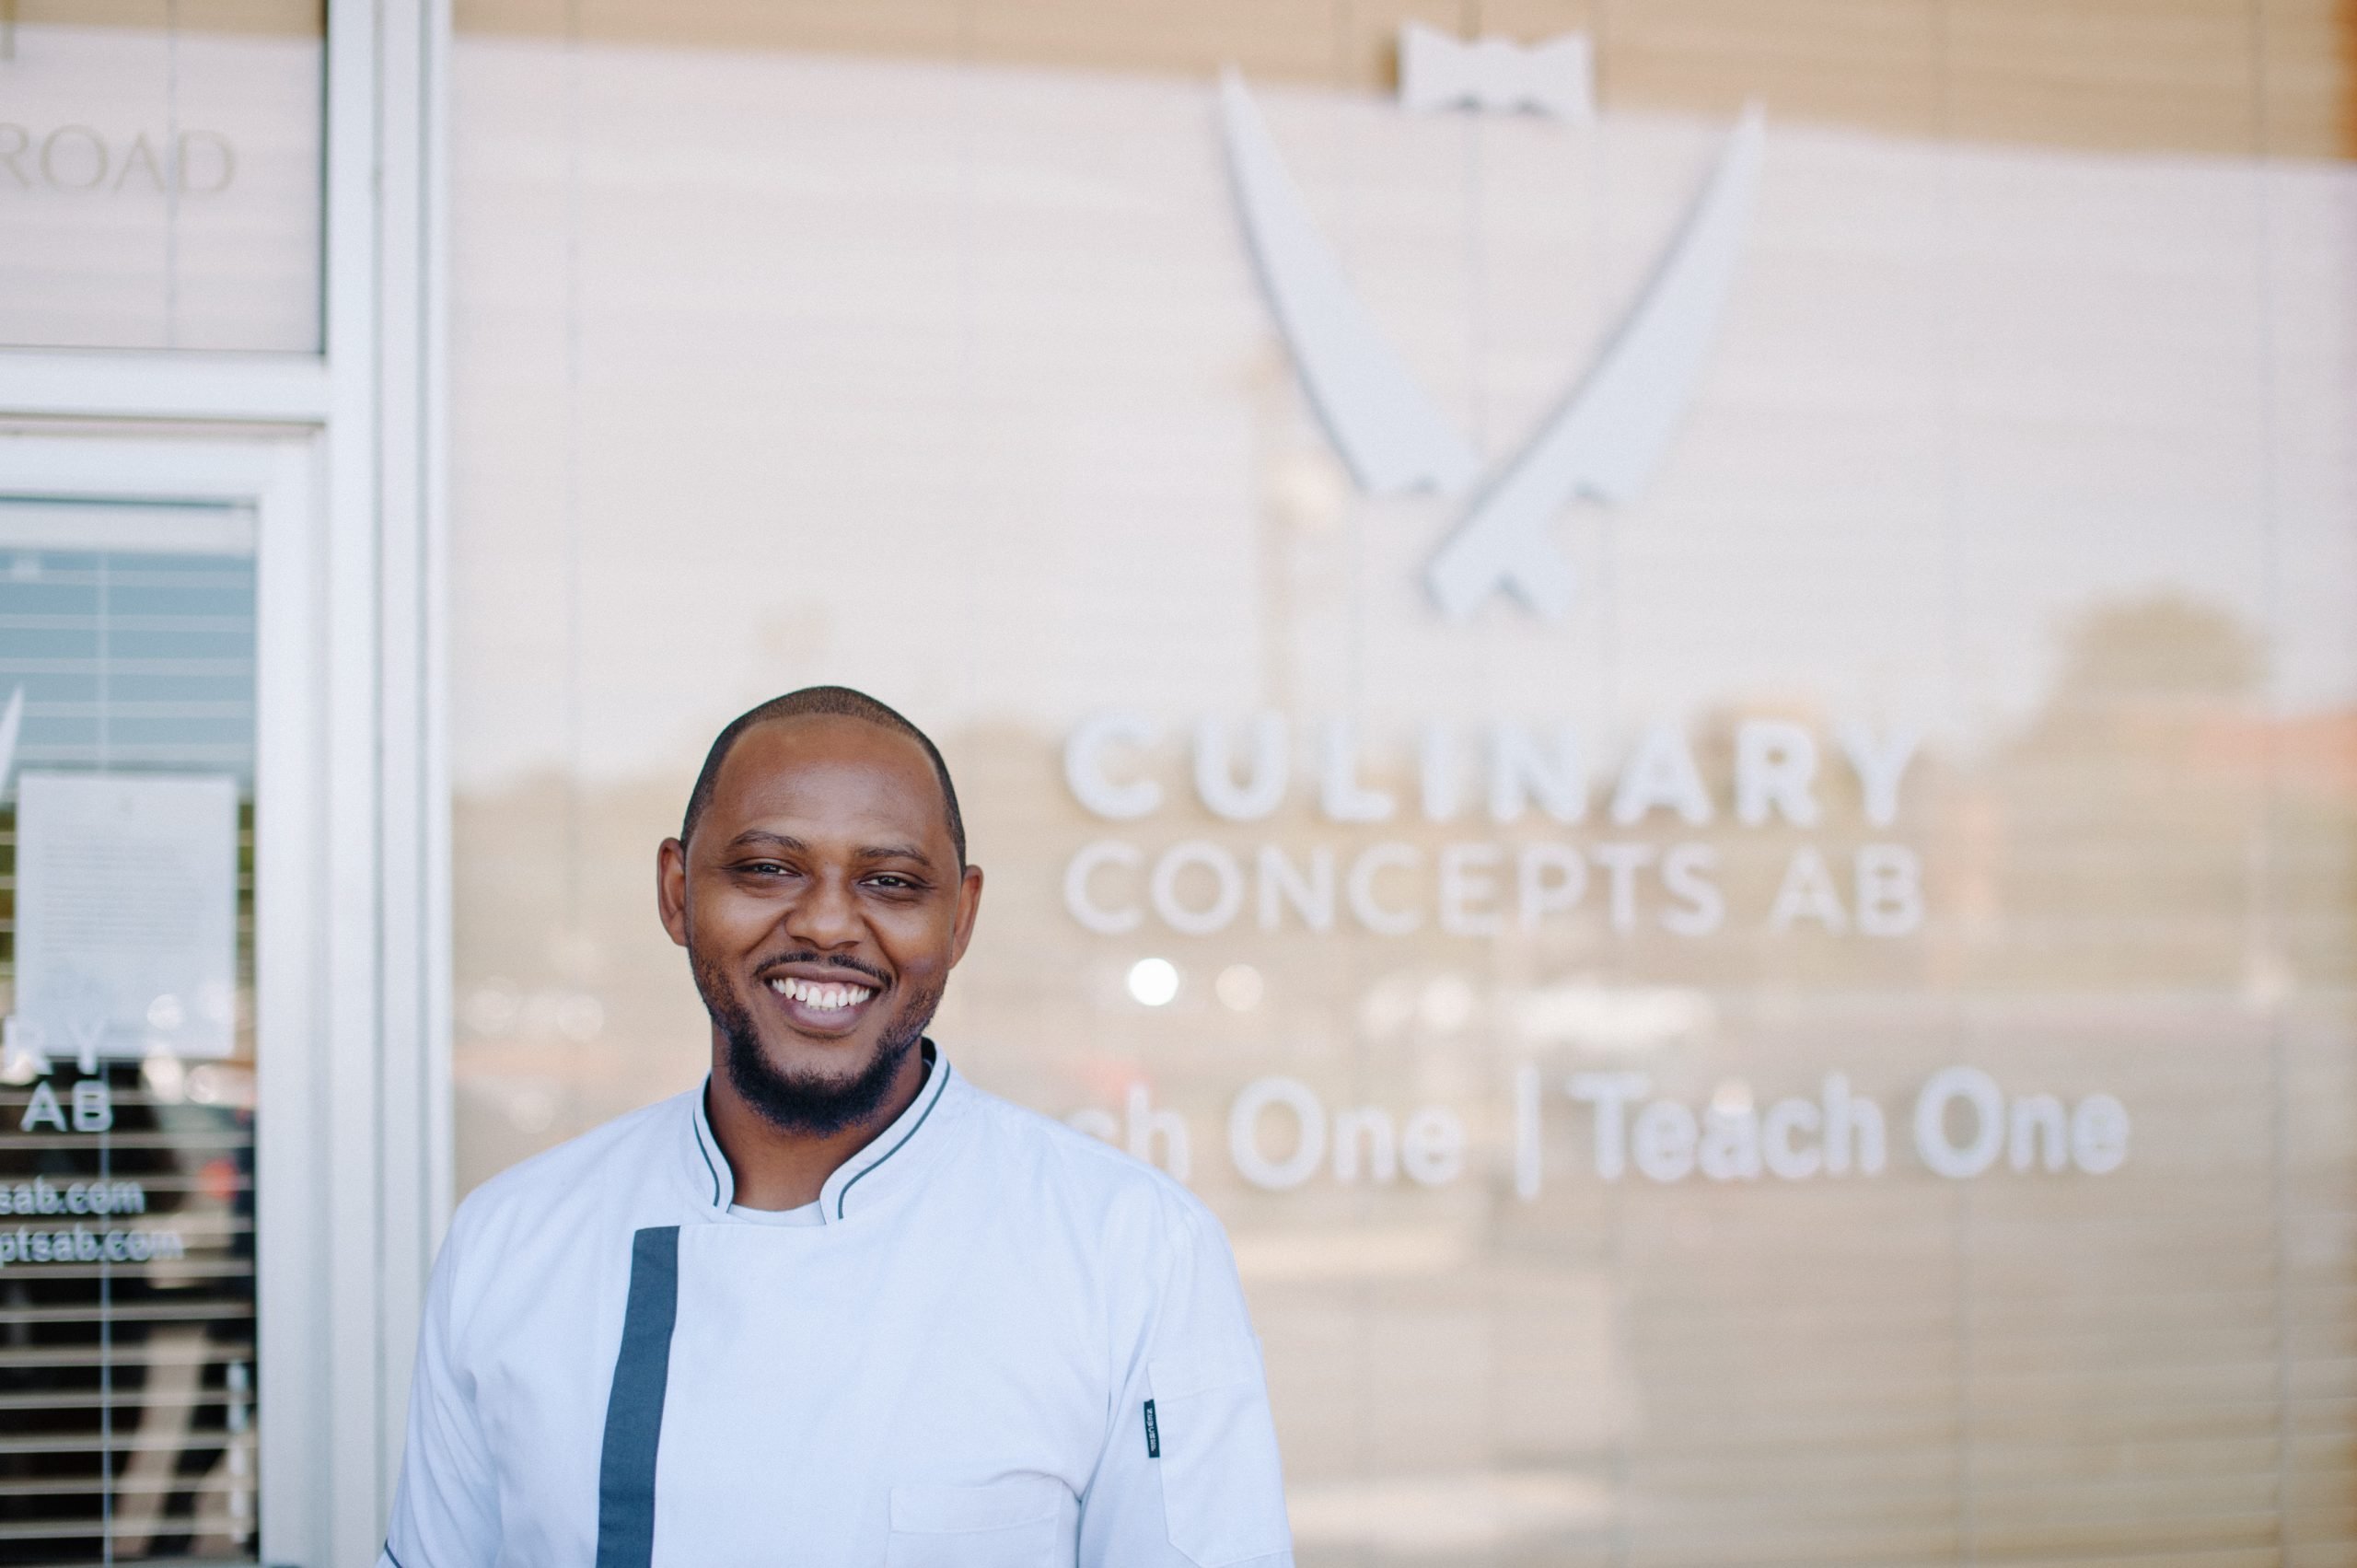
890,882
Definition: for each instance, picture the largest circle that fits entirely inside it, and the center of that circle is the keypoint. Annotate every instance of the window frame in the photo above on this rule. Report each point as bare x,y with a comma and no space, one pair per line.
340,452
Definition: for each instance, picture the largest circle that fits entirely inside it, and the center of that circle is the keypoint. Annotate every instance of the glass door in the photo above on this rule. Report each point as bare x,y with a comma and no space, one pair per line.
130,1373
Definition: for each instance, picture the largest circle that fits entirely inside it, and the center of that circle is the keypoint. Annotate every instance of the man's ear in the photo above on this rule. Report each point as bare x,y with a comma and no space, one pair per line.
969,904
671,889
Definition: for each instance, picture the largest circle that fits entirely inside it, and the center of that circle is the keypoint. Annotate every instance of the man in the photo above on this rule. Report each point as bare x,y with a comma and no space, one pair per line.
836,1306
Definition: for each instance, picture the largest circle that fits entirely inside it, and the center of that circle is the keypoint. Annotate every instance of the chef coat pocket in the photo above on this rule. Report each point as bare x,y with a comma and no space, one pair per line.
1216,1443
1010,1523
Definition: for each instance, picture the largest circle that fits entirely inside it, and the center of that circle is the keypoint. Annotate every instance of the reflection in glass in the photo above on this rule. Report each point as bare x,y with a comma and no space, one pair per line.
127,1372
160,174
2034,453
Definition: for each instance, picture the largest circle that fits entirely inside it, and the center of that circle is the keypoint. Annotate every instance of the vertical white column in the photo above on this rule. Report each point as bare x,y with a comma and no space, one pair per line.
382,1089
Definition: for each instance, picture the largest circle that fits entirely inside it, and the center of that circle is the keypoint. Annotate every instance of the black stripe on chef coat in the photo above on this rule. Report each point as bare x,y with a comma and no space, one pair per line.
635,1408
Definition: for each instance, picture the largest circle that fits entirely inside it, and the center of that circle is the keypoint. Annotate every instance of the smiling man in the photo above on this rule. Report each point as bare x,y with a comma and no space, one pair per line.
835,1306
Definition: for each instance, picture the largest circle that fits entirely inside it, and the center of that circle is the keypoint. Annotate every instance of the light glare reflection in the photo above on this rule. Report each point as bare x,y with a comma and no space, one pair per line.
1153,981
1240,986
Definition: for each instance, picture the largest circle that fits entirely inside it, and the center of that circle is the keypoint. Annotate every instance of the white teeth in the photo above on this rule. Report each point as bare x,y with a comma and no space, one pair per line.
827,998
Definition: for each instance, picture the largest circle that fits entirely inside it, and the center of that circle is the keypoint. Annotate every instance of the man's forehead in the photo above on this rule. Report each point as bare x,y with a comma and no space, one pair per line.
806,759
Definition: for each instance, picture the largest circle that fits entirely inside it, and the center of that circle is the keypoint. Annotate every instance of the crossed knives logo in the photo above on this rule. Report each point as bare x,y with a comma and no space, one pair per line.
1603,441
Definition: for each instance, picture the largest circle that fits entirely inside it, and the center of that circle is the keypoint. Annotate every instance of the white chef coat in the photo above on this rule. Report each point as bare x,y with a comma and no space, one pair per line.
996,1341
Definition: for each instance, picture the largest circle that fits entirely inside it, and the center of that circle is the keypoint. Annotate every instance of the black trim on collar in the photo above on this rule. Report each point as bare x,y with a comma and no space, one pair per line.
695,1125
938,1090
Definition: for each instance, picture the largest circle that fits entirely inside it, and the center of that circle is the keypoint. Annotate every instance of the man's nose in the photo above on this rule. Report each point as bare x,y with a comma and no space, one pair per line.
826,915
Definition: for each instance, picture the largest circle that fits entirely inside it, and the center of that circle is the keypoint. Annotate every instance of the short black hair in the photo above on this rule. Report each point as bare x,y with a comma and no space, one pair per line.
842,702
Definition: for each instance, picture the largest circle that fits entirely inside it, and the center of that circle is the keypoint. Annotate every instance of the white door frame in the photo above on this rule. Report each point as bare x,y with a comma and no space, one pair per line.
357,433
307,1195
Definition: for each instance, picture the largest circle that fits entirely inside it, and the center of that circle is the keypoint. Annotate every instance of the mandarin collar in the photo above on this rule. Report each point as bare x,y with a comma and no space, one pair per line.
882,1163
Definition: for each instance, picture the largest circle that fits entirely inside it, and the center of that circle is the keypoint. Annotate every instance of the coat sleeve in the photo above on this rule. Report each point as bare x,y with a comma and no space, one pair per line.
1188,1476
446,1512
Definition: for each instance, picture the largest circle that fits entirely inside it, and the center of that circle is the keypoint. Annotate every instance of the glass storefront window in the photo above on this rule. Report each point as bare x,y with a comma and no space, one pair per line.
128,1377
1812,1025
160,173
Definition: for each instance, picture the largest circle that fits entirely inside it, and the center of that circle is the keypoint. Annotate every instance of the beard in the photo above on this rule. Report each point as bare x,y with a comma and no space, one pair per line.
809,1104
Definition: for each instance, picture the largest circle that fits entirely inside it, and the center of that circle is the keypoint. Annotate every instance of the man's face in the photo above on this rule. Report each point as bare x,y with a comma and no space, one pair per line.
822,909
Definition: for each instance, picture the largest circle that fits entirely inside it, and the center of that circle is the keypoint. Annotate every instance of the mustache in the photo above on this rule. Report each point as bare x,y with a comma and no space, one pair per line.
832,960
